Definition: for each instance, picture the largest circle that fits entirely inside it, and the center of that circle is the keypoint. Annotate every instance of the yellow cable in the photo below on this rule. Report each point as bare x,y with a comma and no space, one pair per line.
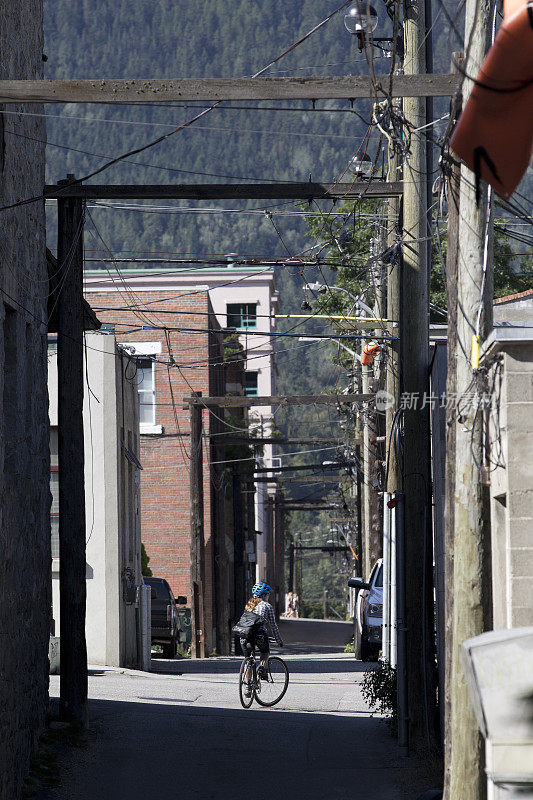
328,316
475,351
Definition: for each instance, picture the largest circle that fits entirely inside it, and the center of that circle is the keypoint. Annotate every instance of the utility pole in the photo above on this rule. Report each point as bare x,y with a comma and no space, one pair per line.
370,496
415,362
291,567
372,428
238,547
197,530
72,587
471,572
392,414
453,186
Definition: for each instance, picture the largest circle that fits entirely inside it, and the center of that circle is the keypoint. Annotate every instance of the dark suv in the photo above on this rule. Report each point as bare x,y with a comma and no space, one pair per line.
165,622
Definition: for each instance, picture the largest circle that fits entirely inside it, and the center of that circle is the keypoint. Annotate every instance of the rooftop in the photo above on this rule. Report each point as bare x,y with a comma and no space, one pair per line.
510,297
172,270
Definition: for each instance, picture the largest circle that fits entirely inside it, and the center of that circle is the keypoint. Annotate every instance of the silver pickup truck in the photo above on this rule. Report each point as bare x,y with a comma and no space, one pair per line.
368,616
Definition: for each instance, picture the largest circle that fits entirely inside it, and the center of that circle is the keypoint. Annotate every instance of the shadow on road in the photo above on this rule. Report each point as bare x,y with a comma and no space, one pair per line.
147,750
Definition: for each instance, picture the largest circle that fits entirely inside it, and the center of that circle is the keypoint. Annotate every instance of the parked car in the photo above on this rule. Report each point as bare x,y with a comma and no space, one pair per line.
368,616
165,618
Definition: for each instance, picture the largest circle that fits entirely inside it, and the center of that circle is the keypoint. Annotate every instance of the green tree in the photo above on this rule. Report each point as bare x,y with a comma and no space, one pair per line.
145,558
512,273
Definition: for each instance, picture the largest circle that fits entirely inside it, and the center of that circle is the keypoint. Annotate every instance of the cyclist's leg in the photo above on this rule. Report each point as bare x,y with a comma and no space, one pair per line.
247,648
261,640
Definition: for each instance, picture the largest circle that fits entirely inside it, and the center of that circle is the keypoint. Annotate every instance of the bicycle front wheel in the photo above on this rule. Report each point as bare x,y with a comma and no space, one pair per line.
275,685
246,702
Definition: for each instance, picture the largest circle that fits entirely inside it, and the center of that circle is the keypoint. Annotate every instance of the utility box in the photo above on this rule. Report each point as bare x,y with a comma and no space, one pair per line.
499,671
185,630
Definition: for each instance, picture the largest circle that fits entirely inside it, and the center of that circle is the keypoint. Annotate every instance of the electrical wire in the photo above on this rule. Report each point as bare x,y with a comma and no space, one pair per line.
186,124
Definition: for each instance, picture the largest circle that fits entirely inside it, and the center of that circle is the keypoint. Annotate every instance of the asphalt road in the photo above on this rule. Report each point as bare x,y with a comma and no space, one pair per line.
180,732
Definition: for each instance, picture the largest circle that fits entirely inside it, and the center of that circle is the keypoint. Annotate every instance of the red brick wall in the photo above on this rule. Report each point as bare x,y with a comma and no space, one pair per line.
165,515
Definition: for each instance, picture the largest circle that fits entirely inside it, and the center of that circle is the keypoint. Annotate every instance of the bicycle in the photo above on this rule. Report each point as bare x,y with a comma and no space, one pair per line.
267,691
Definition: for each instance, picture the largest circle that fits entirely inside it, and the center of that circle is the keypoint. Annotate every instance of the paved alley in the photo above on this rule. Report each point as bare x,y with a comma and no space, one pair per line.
181,732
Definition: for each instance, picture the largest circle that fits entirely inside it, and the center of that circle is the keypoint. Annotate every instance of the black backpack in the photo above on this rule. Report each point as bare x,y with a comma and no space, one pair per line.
247,625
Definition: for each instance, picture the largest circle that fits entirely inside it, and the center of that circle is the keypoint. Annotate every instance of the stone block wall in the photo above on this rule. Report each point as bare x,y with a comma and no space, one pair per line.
518,375
25,579
512,489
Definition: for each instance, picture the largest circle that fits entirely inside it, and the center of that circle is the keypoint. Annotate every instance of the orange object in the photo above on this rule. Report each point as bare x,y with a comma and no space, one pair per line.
370,351
494,134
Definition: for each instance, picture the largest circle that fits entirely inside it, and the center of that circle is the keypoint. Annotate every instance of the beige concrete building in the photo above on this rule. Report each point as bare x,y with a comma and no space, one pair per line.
112,498
509,355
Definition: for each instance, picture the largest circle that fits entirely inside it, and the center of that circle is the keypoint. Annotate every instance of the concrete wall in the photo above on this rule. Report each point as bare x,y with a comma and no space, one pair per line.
518,309
24,466
512,487
112,499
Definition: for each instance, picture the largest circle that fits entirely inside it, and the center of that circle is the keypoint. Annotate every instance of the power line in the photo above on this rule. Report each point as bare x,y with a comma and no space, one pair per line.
189,122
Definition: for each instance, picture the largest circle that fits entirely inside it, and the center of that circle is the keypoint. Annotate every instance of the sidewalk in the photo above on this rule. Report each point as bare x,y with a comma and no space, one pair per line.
180,732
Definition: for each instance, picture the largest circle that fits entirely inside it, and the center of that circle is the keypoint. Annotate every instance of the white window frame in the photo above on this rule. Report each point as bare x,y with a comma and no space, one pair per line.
147,349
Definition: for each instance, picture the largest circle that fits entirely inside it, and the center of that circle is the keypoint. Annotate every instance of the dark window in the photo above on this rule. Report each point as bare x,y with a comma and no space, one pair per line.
250,388
379,578
242,315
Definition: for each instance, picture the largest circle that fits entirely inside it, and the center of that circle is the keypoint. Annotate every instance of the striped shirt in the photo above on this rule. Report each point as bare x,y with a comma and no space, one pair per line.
266,612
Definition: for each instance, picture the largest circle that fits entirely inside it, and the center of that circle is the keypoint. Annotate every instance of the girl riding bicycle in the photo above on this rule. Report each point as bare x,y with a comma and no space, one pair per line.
258,604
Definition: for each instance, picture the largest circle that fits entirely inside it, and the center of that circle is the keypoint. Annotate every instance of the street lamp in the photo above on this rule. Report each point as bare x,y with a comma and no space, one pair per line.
361,20
322,288
341,344
360,166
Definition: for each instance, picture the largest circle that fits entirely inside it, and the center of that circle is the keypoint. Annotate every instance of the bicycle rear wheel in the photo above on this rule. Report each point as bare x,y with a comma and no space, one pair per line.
246,702
274,687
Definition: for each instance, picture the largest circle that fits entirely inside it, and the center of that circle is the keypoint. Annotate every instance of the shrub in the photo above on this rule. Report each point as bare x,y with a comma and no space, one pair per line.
378,688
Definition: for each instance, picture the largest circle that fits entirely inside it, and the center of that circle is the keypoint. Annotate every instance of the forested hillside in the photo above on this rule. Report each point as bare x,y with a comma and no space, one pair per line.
227,38
137,38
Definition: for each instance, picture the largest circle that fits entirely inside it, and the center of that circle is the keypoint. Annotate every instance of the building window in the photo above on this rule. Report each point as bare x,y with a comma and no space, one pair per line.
54,489
242,315
146,387
145,355
250,387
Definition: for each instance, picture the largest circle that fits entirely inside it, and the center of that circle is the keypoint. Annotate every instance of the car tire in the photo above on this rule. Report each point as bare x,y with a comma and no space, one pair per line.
356,641
170,649
367,651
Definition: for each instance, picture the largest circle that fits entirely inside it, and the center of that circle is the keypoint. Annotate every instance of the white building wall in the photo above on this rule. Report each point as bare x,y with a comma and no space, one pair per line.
110,622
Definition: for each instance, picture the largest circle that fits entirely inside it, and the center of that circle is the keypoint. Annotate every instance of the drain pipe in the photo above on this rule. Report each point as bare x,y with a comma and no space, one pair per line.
386,634
392,610
403,709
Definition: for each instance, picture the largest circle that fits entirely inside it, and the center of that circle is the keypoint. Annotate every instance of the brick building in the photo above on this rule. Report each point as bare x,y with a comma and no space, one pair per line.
24,453
169,365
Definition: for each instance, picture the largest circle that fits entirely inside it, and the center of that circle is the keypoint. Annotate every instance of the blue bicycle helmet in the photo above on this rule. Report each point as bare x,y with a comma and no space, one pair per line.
259,589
